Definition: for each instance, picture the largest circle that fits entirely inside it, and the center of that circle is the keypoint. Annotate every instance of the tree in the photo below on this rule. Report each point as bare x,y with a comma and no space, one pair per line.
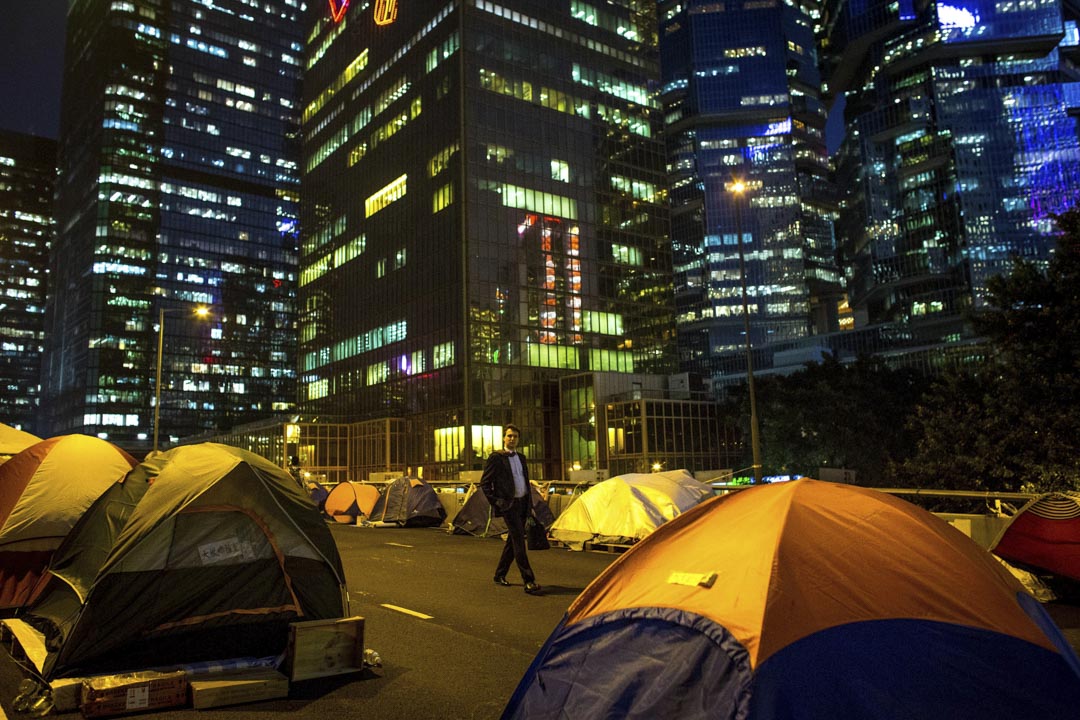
834,415
1013,422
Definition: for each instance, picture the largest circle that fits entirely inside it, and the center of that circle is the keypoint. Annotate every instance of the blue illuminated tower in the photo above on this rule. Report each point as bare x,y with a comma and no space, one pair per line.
742,103
961,142
179,189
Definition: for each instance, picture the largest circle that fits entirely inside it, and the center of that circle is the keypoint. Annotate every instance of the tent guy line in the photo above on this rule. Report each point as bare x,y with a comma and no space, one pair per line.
407,611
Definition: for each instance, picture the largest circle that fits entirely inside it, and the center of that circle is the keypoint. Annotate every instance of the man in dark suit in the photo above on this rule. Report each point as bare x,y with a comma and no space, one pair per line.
505,483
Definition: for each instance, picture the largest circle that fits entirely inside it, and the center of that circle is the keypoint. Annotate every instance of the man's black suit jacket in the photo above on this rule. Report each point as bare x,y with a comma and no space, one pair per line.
497,481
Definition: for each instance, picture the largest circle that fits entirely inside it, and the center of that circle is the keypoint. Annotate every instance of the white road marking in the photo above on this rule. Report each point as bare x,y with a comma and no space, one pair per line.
399,545
407,611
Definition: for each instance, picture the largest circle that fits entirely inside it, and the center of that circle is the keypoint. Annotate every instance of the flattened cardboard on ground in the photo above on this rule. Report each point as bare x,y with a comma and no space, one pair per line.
238,687
321,648
109,695
24,641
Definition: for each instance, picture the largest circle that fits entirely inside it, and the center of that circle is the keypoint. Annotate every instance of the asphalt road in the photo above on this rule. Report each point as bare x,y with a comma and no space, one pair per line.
453,644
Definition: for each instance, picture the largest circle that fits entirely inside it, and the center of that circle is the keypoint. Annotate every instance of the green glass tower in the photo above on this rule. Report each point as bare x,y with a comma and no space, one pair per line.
483,212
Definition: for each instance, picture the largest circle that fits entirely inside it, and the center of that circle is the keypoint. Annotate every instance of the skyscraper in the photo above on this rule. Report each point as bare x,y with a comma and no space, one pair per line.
961,142
483,212
745,126
179,181
27,179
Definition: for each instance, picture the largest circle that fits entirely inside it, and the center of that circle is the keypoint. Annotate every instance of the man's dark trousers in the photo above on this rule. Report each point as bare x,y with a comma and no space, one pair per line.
515,549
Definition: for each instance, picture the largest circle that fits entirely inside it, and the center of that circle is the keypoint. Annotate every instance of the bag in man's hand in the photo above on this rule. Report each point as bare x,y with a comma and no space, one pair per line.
535,535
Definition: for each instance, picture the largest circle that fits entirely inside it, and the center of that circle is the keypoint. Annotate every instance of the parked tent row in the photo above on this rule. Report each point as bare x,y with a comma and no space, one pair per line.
404,502
201,553
783,602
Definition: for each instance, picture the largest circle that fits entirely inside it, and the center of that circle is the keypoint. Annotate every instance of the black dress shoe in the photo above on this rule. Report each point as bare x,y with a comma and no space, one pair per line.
532,588
500,580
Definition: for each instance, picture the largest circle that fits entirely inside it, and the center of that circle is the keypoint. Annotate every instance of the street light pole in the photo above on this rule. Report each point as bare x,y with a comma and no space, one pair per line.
201,312
738,188
157,376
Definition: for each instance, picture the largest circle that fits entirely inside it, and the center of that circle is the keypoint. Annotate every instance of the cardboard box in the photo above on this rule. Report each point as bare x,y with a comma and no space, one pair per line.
133,692
321,648
238,687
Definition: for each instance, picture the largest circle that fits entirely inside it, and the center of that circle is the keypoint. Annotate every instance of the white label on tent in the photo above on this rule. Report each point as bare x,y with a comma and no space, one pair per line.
704,580
138,697
225,550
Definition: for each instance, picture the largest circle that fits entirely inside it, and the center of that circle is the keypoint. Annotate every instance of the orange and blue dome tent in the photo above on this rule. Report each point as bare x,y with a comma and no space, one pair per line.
803,600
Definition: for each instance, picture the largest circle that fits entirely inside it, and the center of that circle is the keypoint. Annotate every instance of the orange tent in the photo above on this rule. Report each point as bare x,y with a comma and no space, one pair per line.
349,500
803,600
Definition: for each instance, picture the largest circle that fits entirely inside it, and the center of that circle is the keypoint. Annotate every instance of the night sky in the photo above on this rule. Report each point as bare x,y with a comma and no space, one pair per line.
31,65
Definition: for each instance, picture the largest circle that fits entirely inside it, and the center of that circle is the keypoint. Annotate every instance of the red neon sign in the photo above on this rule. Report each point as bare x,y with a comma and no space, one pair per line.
338,8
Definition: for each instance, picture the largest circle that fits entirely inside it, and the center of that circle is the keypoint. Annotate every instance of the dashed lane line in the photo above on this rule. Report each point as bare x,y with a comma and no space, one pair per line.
407,611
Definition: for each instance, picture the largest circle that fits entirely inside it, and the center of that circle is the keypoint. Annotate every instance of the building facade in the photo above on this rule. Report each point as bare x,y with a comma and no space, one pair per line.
179,165
750,187
961,143
27,181
484,212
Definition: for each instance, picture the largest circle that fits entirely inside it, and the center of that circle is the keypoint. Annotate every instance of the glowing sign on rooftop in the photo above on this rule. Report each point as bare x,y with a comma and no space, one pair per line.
385,11
338,8
957,17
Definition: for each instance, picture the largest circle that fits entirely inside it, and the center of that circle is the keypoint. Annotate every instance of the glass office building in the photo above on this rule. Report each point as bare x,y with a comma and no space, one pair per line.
179,189
483,213
961,143
27,179
742,104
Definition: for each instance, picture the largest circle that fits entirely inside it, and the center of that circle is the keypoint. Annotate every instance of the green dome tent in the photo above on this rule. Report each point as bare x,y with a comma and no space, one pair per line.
204,552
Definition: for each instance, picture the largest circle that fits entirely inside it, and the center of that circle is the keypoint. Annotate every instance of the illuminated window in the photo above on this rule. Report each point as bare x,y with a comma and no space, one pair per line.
552,356
534,200
318,389
441,160
602,322
611,360
442,355
395,190
560,170
626,255
351,71
443,198
377,373
497,153
496,83
357,153
399,259
436,56
380,268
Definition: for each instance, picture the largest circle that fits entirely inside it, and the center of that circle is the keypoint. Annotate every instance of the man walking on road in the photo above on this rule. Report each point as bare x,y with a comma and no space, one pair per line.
505,483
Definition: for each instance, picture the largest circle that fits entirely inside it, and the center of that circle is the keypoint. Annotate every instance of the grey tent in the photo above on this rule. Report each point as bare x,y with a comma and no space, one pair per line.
205,552
475,517
408,502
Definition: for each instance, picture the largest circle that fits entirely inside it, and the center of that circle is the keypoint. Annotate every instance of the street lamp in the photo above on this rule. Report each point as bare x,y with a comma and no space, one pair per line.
738,188
200,312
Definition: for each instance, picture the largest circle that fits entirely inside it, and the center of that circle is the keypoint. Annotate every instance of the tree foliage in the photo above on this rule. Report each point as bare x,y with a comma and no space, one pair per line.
836,416
1013,422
